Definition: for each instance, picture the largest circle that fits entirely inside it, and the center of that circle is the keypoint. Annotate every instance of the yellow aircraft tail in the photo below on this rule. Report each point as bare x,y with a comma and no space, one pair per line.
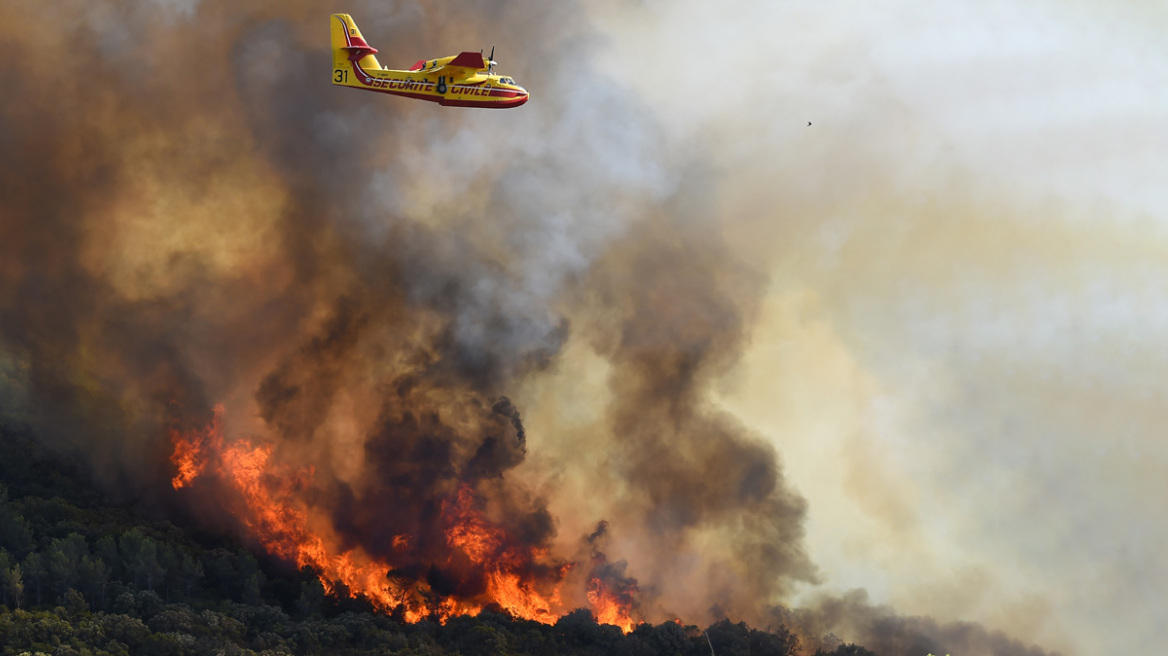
349,46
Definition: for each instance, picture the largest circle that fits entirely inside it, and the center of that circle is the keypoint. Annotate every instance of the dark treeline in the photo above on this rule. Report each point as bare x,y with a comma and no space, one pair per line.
82,576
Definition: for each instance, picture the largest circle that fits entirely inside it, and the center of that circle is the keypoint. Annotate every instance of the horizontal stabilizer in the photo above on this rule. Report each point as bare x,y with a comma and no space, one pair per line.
357,54
358,49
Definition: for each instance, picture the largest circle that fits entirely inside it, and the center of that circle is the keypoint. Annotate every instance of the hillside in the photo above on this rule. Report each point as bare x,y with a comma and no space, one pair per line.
85,575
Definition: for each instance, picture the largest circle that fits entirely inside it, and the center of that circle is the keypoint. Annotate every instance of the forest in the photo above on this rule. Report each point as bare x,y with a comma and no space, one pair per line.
81,573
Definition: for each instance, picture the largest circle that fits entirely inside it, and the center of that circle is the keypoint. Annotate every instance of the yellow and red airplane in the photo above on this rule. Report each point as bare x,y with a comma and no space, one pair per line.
464,80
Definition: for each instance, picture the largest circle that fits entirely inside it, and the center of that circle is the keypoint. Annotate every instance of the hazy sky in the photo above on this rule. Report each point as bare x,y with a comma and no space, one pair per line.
951,286
961,356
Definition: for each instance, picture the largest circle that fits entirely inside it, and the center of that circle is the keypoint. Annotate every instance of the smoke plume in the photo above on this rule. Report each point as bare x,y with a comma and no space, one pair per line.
194,217
347,309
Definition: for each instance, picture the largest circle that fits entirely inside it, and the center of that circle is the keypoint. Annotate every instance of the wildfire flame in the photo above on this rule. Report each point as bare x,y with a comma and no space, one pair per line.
276,514
611,606
190,449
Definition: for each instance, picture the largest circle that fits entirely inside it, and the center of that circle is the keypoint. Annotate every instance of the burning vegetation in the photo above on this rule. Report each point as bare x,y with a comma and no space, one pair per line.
477,564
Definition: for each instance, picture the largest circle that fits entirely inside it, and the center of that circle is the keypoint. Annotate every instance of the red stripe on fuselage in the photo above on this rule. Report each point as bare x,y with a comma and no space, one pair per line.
489,104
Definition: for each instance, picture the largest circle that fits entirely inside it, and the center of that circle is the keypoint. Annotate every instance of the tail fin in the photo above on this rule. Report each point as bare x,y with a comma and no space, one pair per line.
349,46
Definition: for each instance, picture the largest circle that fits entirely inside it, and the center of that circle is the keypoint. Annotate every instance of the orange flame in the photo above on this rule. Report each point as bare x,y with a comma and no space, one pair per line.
485,546
190,449
276,514
608,606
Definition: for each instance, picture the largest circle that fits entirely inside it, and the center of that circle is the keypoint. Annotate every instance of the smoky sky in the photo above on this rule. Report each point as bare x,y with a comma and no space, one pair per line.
958,352
558,305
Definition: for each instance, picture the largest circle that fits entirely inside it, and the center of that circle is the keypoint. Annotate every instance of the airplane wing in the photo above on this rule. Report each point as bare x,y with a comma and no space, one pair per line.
471,61
464,64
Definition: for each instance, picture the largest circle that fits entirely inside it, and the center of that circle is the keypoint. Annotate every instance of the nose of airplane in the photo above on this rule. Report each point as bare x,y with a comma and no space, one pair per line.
521,97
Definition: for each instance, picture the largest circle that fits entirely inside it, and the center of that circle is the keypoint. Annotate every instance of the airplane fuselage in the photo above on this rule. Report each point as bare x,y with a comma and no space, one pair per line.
479,90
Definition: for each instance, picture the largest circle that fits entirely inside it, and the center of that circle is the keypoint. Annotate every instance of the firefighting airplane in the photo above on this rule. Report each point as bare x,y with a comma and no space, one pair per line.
464,80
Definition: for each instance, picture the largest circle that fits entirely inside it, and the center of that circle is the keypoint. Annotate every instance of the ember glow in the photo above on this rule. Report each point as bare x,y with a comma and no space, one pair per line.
274,510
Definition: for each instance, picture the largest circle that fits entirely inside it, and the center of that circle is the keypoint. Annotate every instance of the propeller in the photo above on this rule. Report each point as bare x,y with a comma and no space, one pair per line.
491,61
